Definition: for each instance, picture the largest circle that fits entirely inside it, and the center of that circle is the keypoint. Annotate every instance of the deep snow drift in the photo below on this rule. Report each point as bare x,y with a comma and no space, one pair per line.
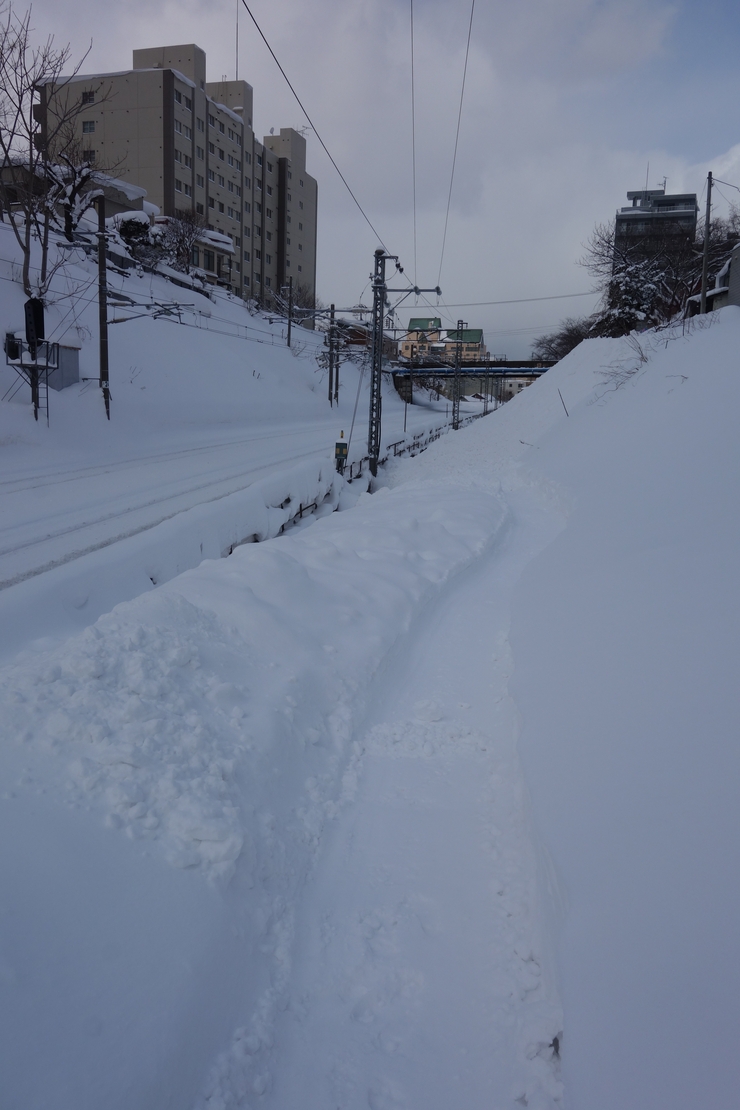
269,841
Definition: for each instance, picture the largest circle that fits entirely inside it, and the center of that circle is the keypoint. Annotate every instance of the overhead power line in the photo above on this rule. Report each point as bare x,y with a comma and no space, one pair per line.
520,300
313,127
413,133
457,137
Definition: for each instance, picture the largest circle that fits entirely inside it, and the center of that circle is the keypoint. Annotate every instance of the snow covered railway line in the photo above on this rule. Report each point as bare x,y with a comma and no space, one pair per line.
116,537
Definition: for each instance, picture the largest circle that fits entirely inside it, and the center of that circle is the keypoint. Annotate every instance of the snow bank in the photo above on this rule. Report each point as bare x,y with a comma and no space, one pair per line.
211,721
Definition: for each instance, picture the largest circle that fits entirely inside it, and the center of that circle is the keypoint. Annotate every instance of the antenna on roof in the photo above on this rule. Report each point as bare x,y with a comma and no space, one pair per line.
272,130
647,175
237,40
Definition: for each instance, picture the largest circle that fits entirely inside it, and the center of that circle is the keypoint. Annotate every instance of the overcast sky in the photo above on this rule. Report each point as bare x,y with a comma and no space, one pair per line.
566,103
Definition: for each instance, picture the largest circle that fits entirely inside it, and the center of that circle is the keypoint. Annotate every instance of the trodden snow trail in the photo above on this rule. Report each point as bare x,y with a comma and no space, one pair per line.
420,975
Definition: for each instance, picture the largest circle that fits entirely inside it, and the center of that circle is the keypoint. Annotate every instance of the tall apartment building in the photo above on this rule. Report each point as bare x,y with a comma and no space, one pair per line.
656,217
190,144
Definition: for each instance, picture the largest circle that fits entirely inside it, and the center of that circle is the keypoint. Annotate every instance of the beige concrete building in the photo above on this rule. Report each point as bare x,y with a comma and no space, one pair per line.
190,143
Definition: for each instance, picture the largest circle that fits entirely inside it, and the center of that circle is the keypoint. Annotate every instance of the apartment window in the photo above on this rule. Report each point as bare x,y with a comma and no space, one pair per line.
88,97
300,226
188,104
221,127
178,185
231,186
267,282
287,263
208,260
211,175
88,156
269,167
268,259
231,134
268,213
301,181
221,180
211,148
246,257
188,161
187,131
200,124
258,256
258,183
187,189
289,219
268,236
211,121
256,279
221,206
238,267
178,156
290,176
230,213
238,190
199,208
288,241
178,96
237,163
199,152
246,281
237,241
248,158
178,127
221,155
247,182
230,160
300,269
259,159
289,197
269,190
195,257
211,202
247,206
257,231
88,127
247,233
199,180
300,204
238,140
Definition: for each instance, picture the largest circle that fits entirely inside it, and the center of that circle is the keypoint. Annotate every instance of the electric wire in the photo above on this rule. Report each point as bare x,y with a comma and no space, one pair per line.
313,127
457,137
413,135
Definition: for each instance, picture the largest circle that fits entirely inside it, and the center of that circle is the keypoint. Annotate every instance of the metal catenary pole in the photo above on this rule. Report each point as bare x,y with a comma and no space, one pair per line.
376,360
456,383
705,260
103,306
331,356
290,307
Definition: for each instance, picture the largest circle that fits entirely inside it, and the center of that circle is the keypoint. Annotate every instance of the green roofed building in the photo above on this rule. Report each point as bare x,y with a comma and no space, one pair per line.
426,339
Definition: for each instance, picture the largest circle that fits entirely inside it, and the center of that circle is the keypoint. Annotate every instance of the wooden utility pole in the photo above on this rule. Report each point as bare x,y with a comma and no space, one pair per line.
103,306
705,260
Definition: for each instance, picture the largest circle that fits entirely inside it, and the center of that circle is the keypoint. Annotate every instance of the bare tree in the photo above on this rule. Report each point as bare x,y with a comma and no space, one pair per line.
181,234
559,343
27,134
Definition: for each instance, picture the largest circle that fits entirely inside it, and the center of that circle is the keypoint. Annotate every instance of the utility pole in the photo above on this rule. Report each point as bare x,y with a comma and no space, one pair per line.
331,355
380,294
376,360
456,383
103,306
705,260
290,307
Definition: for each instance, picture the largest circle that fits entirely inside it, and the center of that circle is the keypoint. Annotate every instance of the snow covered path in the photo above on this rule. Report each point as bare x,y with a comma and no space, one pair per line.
421,976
